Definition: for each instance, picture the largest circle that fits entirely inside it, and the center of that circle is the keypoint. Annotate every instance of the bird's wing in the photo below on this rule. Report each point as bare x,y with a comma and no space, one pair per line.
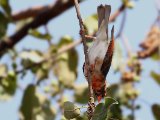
108,57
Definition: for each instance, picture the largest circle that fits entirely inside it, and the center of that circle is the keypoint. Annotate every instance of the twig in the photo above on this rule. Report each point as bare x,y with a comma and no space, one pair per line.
122,25
117,13
127,45
47,32
91,106
133,109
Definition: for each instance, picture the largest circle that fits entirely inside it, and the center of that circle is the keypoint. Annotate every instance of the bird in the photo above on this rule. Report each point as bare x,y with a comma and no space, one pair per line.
100,53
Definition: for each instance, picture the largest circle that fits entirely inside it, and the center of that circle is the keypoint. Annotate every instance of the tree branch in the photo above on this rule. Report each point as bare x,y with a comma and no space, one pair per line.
30,12
91,105
43,18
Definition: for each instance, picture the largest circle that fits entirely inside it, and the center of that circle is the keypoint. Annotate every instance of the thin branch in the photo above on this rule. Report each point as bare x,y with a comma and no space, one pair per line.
122,25
82,33
133,109
47,32
127,45
117,13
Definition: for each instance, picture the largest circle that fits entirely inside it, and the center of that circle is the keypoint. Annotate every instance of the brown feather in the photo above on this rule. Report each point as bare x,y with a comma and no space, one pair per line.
108,57
101,14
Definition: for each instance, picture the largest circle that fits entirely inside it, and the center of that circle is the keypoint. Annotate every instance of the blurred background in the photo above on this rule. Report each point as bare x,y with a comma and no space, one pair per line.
41,58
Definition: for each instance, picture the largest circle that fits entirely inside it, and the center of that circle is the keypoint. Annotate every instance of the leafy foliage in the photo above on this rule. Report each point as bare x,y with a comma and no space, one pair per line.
8,82
35,106
39,35
66,67
55,73
101,111
3,24
155,110
128,3
155,76
91,24
6,6
70,110
80,92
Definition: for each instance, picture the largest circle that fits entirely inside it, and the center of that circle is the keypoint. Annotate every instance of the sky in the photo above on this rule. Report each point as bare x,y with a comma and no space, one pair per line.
138,23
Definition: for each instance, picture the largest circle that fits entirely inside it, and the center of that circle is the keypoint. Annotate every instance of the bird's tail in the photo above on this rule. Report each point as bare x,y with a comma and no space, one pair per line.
103,18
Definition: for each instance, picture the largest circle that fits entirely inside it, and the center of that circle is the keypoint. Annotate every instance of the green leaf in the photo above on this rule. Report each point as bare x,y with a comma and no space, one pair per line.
115,112
3,70
30,58
39,35
101,110
112,90
156,56
5,5
3,24
70,110
65,68
65,40
8,85
156,111
33,56
53,49
128,92
36,106
47,112
53,88
41,74
84,117
29,103
40,71
65,76
91,24
73,60
128,3
136,78
155,76
80,92
109,101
